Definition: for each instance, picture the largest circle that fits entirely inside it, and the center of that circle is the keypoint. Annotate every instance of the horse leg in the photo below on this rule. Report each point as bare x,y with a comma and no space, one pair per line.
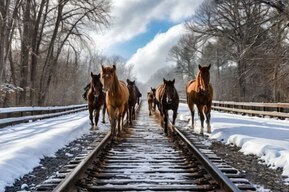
130,114
113,126
166,121
202,118
103,112
174,116
112,119
90,109
192,109
119,123
208,118
133,112
150,107
160,106
96,117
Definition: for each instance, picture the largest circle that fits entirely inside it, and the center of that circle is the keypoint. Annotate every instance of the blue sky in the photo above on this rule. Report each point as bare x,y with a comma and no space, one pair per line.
128,48
143,31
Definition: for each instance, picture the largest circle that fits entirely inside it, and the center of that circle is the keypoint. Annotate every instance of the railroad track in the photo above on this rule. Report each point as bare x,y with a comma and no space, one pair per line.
143,158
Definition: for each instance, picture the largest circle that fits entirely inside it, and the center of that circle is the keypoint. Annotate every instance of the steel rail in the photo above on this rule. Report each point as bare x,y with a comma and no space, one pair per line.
225,183
68,183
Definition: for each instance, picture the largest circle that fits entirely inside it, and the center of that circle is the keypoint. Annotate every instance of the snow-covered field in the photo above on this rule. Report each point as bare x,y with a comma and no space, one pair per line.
22,146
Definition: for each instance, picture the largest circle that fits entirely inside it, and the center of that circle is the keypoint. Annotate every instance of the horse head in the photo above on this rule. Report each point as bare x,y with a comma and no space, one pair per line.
203,79
107,76
131,86
95,84
153,91
170,90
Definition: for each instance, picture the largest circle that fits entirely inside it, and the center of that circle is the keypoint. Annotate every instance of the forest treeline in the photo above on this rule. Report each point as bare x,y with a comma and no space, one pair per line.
46,53
246,41
45,48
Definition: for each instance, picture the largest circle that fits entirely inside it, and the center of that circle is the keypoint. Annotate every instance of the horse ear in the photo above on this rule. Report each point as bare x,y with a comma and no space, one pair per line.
98,75
200,67
134,82
209,66
114,67
173,81
127,80
164,80
102,67
91,74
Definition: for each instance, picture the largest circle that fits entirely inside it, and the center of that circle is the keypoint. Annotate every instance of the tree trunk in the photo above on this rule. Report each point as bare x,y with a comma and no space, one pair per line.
25,46
36,41
4,11
45,76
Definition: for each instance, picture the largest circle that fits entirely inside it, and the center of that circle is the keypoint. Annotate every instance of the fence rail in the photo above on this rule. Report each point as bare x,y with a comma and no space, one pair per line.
12,116
278,110
275,110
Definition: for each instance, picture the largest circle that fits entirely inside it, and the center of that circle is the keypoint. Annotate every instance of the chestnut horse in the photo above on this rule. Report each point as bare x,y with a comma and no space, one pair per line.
167,98
132,99
95,98
200,92
116,97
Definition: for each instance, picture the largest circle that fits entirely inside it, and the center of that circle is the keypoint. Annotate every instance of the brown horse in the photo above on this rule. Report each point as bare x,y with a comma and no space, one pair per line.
116,97
132,100
200,92
155,101
95,98
167,98
151,100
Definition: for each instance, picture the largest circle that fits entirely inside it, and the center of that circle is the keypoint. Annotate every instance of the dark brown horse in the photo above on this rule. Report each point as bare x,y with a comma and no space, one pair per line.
167,99
138,94
132,100
116,97
95,98
200,93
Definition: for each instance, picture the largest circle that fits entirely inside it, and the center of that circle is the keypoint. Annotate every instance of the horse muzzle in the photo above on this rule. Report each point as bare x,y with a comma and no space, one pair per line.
169,101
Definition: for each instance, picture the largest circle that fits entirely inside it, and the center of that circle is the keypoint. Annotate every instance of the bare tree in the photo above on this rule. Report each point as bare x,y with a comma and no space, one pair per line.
70,23
238,21
184,54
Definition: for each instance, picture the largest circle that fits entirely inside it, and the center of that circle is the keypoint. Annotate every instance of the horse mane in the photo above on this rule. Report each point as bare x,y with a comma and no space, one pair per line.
115,84
198,81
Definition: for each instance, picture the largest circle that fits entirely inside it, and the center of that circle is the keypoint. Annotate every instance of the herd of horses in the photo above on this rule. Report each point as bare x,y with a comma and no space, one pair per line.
119,98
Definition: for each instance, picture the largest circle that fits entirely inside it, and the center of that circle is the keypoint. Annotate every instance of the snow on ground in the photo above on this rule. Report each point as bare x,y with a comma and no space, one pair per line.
22,146
266,138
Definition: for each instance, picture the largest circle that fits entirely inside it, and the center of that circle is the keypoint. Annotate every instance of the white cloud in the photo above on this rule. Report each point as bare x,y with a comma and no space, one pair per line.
131,18
153,56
